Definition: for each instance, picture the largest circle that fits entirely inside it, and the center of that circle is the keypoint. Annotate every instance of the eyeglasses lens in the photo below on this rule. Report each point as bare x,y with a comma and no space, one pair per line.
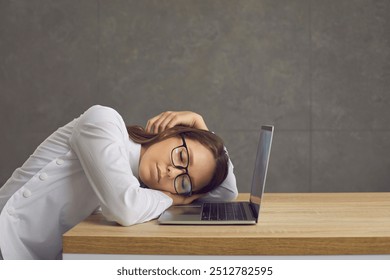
183,184
180,157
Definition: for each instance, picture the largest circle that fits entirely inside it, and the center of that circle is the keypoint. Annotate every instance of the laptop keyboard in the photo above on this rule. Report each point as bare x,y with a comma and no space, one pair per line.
223,212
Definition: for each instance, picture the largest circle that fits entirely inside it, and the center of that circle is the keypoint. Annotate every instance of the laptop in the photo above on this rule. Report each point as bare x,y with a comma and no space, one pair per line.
232,212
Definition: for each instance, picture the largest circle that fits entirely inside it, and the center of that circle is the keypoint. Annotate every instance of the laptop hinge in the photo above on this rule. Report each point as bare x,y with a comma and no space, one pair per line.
252,207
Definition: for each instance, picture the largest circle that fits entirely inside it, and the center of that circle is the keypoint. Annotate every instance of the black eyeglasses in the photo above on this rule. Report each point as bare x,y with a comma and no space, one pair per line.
181,159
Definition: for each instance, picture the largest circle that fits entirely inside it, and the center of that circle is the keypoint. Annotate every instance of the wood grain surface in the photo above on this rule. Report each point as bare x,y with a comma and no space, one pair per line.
290,224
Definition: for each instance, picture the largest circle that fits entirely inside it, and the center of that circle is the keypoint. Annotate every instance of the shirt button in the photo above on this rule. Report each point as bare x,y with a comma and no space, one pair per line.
59,161
11,211
27,193
43,176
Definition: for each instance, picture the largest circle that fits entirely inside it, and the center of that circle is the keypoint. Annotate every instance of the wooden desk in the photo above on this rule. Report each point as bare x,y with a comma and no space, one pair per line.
290,224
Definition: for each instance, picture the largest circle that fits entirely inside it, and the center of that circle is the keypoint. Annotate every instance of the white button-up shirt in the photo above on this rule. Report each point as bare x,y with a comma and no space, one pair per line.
88,163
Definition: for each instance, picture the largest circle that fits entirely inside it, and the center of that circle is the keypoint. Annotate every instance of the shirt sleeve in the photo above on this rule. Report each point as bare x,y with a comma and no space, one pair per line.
227,190
100,141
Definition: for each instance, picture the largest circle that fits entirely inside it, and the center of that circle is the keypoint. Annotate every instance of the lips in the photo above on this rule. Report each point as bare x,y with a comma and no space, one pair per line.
158,174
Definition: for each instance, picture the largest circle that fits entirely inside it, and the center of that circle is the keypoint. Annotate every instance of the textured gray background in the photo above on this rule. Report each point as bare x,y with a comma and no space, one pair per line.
318,70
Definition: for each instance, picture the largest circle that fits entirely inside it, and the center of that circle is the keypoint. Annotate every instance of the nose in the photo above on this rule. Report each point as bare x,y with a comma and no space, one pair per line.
173,171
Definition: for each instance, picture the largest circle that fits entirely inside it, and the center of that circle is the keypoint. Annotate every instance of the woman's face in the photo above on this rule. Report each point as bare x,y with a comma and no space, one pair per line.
157,171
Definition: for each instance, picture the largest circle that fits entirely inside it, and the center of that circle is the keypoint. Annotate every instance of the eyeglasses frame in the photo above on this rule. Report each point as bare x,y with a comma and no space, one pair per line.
182,167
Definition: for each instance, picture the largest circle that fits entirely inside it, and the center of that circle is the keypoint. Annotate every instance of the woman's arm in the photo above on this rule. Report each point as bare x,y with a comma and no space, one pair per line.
100,141
170,119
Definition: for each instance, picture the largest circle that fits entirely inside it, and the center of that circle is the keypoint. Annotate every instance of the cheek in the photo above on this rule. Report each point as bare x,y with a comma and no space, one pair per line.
166,185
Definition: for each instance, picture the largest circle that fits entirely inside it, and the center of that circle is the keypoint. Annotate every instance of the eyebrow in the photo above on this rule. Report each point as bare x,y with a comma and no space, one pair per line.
190,154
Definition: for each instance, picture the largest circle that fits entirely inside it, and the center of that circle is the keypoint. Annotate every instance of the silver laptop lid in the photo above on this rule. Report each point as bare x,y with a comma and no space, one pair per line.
261,167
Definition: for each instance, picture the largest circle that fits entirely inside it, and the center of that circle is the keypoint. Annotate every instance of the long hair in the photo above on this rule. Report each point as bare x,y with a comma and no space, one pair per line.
208,139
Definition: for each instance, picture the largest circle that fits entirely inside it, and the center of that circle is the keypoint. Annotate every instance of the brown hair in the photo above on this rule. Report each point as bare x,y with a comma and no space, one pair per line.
208,139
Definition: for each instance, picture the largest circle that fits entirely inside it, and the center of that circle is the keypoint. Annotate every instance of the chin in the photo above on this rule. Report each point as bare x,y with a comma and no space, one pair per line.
142,178
153,187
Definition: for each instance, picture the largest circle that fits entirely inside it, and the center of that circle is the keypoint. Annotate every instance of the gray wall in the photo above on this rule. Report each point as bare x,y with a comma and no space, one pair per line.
318,70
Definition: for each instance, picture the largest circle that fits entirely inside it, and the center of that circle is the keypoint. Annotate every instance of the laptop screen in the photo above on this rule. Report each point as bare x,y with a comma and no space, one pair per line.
261,166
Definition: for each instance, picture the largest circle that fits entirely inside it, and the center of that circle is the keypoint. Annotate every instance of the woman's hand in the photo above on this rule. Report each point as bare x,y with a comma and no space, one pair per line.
181,199
170,119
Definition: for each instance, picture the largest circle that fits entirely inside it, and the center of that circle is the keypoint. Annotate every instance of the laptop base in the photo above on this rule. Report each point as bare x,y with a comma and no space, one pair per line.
192,215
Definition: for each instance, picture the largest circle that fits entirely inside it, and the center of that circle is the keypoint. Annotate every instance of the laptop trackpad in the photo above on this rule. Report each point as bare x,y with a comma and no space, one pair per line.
181,214
186,210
